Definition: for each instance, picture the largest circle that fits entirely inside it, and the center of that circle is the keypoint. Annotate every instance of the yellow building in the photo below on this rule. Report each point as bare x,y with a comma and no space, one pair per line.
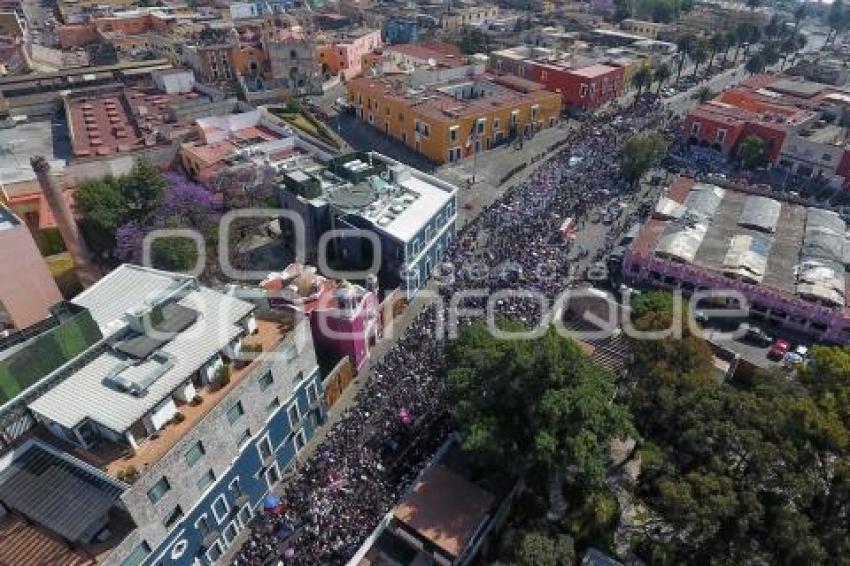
450,121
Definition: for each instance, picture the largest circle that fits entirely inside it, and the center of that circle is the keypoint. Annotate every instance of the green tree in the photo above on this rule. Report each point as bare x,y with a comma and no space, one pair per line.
538,548
699,54
641,79
774,27
661,74
143,189
836,19
684,44
640,152
731,41
749,474
704,94
743,33
718,44
753,152
755,64
102,207
769,54
800,13
472,40
534,404
174,254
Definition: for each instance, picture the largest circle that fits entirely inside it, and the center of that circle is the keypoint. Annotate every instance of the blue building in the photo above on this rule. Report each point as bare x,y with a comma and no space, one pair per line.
382,214
401,30
170,430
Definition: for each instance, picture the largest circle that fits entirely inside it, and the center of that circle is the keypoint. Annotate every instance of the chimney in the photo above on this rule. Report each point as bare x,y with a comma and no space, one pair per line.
87,274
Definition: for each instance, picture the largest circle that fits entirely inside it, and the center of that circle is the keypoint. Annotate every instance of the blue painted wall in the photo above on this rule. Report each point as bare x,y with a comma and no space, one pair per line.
253,484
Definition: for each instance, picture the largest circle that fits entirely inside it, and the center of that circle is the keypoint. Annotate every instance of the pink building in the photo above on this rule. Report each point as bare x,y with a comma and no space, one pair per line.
785,258
344,57
344,317
27,290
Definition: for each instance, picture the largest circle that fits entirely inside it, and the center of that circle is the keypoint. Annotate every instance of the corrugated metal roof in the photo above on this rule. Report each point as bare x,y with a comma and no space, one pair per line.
760,213
56,494
681,242
821,280
703,200
747,256
125,287
824,236
84,394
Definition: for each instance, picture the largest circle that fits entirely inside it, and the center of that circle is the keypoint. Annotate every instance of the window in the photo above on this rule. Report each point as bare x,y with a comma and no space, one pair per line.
244,438
234,412
220,508
544,75
495,125
194,454
203,526
312,393
480,125
300,441
273,404
138,555
266,380
453,133
236,488
422,128
205,480
264,447
214,553
695,128
294,415
175,515
721,136
582,91
245,515
514,114
159,489
534,110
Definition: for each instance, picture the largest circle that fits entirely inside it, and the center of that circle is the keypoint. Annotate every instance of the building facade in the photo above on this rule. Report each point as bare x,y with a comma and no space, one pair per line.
411,217
191,407
450,121
292,59
344,56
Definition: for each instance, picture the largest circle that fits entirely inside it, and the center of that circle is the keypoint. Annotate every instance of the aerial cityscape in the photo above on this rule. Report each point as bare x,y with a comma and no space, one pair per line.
424,282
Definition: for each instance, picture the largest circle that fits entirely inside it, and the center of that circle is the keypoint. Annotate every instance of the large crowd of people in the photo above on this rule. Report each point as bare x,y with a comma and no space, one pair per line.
399,418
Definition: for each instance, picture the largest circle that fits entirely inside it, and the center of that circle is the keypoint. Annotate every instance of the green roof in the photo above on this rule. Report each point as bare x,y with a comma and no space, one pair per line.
41,355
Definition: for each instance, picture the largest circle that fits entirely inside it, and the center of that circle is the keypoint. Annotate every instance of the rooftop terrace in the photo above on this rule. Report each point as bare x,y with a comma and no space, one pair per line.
117,458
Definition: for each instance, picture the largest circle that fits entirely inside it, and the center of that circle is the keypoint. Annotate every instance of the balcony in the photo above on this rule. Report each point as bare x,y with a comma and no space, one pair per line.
127,464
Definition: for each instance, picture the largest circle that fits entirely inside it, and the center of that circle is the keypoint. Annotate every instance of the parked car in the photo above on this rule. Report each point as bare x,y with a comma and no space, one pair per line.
778,350
802,351
792,359
757,336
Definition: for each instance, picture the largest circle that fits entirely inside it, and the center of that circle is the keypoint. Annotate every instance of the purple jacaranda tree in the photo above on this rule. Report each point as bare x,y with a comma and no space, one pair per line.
185,204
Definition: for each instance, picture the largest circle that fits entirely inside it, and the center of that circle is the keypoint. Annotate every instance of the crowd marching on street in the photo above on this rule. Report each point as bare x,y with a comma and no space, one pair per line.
399,418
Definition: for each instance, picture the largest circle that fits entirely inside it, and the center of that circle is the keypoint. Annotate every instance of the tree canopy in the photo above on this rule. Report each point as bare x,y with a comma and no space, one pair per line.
753,151
534,403
734,475
640,152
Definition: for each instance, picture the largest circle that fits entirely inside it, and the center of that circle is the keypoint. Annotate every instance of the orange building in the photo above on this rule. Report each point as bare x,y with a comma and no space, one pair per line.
450,121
